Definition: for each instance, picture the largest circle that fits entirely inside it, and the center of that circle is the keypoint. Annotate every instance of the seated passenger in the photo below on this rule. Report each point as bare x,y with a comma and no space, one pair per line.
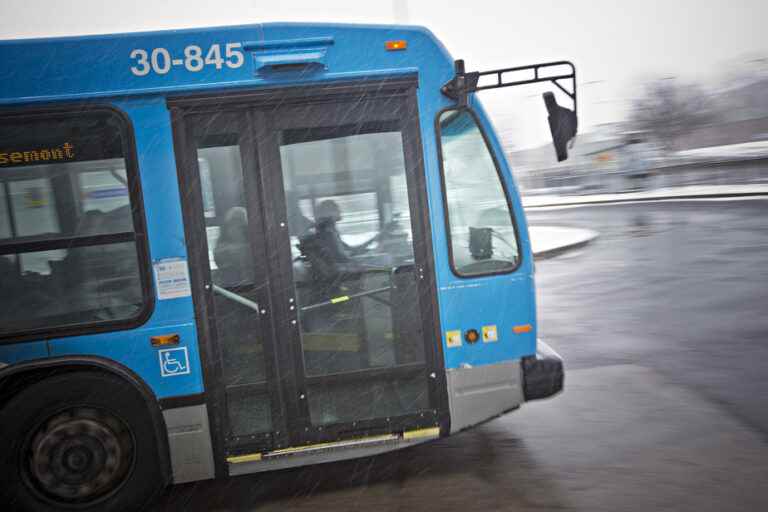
233,253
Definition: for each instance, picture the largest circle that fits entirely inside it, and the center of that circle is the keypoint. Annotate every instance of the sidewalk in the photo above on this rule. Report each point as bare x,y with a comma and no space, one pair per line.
549,241
685,192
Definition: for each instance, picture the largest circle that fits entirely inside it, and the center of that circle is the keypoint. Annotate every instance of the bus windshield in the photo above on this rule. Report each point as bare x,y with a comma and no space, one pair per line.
483,236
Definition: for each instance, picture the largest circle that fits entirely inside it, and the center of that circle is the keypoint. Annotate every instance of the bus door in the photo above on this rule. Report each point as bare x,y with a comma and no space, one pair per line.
220,194
353,258
330,334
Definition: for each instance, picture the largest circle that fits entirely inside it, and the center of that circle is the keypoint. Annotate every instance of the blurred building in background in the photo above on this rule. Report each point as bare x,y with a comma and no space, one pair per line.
677,134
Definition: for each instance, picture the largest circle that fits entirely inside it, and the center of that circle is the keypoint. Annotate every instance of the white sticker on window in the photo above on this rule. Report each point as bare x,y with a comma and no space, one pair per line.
172,278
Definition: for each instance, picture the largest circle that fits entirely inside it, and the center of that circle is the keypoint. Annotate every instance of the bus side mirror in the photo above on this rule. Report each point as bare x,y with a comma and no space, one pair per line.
562,124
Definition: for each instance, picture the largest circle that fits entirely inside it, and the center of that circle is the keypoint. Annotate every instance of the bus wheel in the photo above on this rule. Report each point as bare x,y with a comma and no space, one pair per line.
77,441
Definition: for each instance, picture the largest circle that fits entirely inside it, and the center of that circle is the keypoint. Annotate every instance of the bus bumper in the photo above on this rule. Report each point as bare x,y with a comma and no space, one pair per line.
542,374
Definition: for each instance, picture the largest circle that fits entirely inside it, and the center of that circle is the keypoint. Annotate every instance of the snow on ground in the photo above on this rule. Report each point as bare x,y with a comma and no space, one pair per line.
659,193
547,240
728,152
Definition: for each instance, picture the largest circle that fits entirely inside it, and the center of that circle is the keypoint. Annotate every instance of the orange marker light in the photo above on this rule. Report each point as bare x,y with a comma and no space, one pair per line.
471,336
165,339
520,329
393,46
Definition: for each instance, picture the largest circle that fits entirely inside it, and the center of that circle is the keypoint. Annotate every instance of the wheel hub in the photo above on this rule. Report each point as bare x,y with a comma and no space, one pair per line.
80,455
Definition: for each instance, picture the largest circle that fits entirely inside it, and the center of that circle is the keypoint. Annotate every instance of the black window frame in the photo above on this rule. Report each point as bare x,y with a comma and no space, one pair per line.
139,236
444,191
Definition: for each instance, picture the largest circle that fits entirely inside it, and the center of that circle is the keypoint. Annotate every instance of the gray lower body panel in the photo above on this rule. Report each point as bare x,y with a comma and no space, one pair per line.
480,393
475,395
189,439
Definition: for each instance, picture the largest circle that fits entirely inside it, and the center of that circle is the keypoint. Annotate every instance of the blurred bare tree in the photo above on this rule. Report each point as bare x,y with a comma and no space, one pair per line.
668,109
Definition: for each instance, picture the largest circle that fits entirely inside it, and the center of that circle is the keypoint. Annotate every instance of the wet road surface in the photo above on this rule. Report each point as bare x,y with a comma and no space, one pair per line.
662,322
681,287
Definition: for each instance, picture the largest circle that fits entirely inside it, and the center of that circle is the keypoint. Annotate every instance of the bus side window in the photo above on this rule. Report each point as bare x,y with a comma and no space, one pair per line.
71,257
481,228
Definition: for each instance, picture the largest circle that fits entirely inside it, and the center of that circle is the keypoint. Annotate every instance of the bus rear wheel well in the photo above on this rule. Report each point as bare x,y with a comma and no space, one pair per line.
15,378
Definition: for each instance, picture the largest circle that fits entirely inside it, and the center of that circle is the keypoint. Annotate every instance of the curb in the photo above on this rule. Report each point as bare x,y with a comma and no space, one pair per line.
560,249
557,251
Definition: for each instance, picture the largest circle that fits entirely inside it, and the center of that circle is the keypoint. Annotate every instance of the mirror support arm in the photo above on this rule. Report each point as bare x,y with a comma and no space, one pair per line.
463,83
563,123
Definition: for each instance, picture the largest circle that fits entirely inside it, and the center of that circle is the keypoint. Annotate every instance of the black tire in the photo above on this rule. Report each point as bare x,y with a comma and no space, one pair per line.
78,441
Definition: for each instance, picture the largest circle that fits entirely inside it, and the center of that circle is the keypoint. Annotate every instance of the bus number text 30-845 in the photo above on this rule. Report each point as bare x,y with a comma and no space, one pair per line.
194,59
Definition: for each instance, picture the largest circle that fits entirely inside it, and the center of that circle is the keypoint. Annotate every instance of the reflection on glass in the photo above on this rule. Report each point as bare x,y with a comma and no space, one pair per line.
34,207
209,204
103,190
483,237
98,204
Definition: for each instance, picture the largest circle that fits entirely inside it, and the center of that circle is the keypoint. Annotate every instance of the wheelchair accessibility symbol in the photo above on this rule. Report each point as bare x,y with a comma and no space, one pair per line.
174,361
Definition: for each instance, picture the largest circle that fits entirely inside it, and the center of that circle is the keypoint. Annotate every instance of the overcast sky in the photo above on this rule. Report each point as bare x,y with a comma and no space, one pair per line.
613,43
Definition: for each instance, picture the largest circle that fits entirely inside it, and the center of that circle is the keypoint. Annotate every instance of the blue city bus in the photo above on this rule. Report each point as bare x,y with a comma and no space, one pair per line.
232,250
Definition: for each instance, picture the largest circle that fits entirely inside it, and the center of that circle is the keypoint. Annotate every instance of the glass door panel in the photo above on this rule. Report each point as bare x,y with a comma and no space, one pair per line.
236,284
354,270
